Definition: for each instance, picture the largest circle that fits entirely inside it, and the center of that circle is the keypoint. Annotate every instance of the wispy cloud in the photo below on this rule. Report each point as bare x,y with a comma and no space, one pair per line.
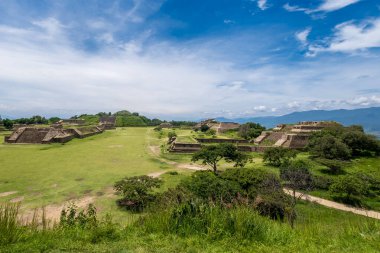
262,4
325,6
350,37
303,35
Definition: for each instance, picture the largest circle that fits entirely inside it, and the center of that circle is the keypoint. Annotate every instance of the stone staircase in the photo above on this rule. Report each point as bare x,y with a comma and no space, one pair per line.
281,141
261,137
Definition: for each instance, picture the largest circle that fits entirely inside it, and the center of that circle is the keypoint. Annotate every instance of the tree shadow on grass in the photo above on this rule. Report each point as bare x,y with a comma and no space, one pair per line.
333,172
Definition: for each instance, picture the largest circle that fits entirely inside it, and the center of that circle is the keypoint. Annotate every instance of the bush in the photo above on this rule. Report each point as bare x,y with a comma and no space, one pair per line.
208,186
71,217
349,189
278,156
329,147
271,206
250,130
136,191
204,128
322,182
251,181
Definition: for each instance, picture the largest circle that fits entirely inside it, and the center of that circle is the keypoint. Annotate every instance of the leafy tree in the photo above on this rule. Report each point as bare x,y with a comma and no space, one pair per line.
342,143
250,130
212,154
8,124
136,191
329,147
53,120
171,135
296,176
360,143
209,186
349,187
204,128
278,156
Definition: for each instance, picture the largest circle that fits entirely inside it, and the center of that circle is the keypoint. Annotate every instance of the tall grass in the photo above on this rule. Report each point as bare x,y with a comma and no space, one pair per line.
216,222
10,229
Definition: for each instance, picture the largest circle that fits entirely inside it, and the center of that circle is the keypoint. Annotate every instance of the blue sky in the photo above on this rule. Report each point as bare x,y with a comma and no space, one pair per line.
179,59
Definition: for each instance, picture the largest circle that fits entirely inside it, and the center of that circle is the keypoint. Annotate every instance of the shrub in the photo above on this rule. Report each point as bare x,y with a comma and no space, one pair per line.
204,128
136,191
251,180
272,206
208,186
71,217
349,188
278,156
250,130
321,182
172,134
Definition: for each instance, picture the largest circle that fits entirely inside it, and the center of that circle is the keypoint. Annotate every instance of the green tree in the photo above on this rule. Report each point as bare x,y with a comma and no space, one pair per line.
250,130
360,143
172,134
8,124
204,128
136,191
330,147
212,154
349,187
296,176
278,156
53,120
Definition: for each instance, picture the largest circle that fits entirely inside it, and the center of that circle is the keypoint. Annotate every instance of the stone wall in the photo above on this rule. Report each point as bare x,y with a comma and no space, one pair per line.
215,140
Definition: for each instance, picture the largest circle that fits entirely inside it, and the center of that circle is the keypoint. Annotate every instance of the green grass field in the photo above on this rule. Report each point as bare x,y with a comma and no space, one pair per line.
45,174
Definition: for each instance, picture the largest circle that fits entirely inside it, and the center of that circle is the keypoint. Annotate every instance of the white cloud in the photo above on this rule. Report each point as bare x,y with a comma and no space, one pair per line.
302,35
294,8
326,6
43,72
349,37
228,21
333,5
262,4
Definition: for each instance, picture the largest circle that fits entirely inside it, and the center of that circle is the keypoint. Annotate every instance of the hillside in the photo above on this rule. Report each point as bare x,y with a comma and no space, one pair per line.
367,117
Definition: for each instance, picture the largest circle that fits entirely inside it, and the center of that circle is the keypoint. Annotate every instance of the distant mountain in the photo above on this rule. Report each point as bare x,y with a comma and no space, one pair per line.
369,118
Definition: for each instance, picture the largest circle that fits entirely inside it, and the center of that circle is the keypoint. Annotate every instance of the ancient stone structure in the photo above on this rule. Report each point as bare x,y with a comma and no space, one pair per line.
219,127
166,125
292,136
108,122
287,136
36,135
177,147
215,140
73,122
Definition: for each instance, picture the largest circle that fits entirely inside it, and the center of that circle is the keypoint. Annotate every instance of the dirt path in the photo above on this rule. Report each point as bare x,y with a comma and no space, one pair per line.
155,150
53,212
335,205
4,194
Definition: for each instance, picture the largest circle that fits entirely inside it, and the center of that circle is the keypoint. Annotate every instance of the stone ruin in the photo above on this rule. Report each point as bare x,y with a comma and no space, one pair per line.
219,127
166,125
108,122
47,135
287,136
292,136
